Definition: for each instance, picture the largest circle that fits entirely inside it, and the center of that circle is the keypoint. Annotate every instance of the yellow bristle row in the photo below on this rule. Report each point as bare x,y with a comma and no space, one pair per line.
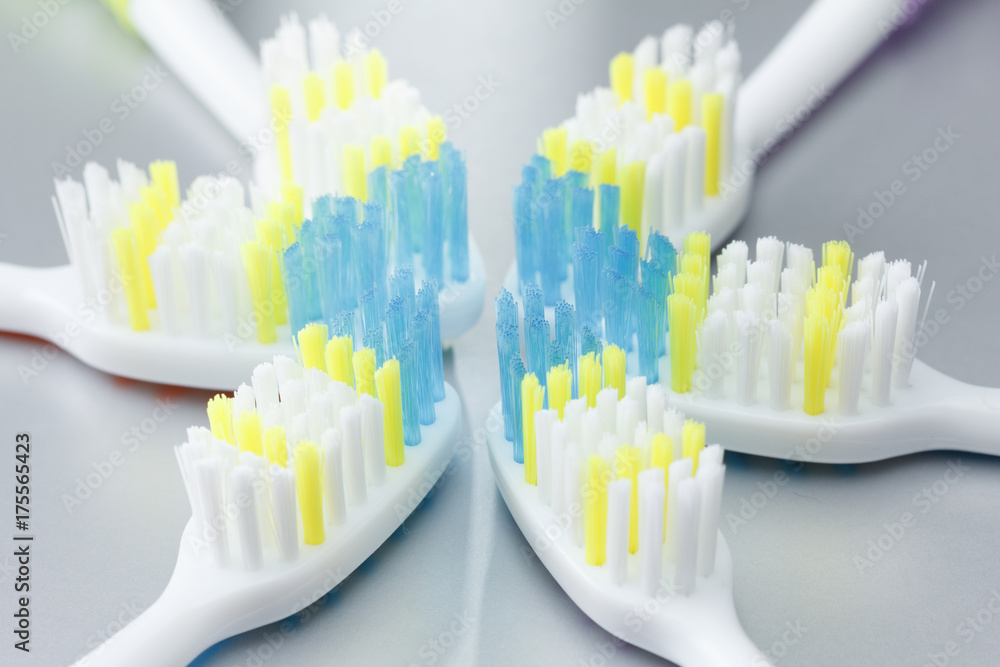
661,451
711,121
693,440
292,194
309,490
248,433
312,85
364,370
595,512
123,242
281,109
621,74
343,84
559,382
377,71
581,156
532,395
163,173
607,168
632,179
654,91
817,342
275,446
409,142
590,377
628,465
681,316
838,253
614,368
388,388
381,152
679,103
554,141
339,359
354,174
145,233
257,261
437,133
312,345
220,417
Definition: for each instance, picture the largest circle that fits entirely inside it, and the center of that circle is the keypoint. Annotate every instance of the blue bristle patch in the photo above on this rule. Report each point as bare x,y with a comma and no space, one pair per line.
536,342
516,376
590,341
401,284
553,267
647,332
506,308
566,337
395,325
508,348
427,300
534,303
378,187
525,242
456,205
543,166
400,218
331,278
421,342
432,187
609,197
616,291
408,381
656,281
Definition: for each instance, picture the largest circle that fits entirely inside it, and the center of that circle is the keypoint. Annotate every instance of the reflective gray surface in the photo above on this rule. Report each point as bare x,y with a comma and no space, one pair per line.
458,585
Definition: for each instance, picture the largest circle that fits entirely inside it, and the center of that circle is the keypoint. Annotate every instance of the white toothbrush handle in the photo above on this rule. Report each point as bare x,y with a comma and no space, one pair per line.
973,419
820,50
209,56
32,300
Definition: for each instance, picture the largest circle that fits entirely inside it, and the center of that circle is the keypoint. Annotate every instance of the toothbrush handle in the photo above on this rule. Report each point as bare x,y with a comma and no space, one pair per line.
209,56
973,419
821,49
33,301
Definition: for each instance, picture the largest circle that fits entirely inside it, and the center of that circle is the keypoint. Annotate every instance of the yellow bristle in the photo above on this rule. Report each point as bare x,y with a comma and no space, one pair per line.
312,345
654,91
621,74
839,253
632,178
309,490
692,286
581,156
614,369
291,193
693,440
409,142
554,141
559,382
607,168
661,455
163,173
377,71
699,243
681,318
590,377
339,361
132,279
248,433
156,200
275,446
354,175
628,465
381,152
437,134
816,337
711,121
532,395
257,259
595,511
364,370
145,235
387,386
826,304
281,109
220,417
679,103
312,85
343,84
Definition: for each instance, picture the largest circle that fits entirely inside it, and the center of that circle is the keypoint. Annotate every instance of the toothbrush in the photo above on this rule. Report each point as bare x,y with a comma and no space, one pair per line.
673,144
620,498
206,53
301,476
774,359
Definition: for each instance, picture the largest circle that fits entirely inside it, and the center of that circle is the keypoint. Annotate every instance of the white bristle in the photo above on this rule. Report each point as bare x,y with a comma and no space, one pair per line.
161,272
752,298
673,427
293,399
286,370
243,400
687,518
710,477
297,431
194,261
711,455
680,469
712,339
694,169
573,416
608,445
636,388
627,419
557,445
591,432
651,498
619,506
904,350
727,83
644,57
771,250
333,477
656,403
241,483
883,343
224,276
317,381
208,474
895,273
779,363
852,349
573,485
709,41
544,419
324,44
735,254
871,267
674,150
857,312
373,438
675,50
727,278
265,386
749,342
186,454
342,396
283,510
607,407
800,261
702,78
354,462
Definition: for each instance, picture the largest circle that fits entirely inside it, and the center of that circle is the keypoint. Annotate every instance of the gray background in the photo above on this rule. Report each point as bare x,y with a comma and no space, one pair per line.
460,553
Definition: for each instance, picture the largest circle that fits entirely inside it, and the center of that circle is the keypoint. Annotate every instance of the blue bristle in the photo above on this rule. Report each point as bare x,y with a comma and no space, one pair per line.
656,281
590,341
620,260
516,375
348,209
628,240
308,239
553,268
586,286
432,189
343,324
297,288
456,207
371,312
378,187
395,326
609,196
374,339
566,336
536,342
369,252
525,241
506,308
408,381
421,344
648,332
534,304
543,167
414,200
331,277
662,251
401,284
427,299
508,347
582,211
400,218
616,290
